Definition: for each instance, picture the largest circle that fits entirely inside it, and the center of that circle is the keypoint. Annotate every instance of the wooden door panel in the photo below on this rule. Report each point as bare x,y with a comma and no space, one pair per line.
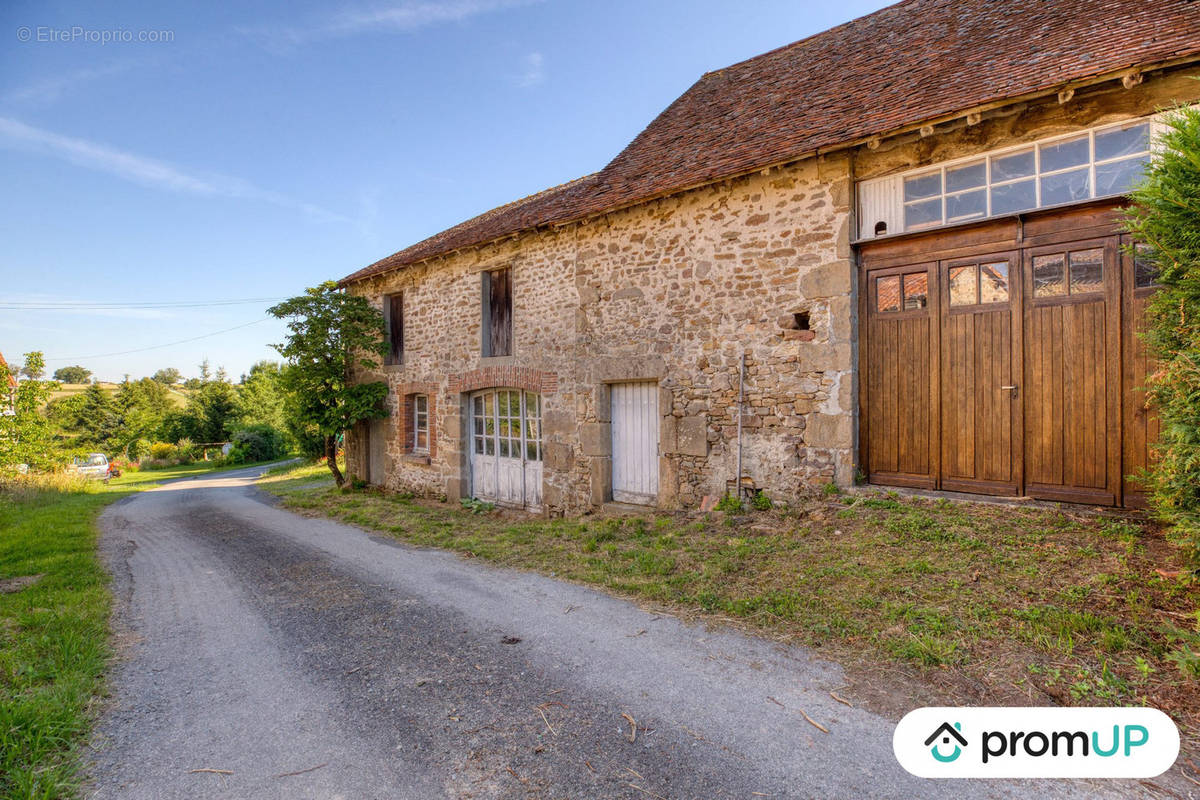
901,440
1140,423
979,431
1071,425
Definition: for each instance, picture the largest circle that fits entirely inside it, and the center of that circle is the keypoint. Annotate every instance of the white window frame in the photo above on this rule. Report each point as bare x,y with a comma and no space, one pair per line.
898,213
420,411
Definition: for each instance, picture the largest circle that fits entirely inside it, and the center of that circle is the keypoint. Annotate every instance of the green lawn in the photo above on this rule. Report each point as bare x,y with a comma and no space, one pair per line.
54,606
986,604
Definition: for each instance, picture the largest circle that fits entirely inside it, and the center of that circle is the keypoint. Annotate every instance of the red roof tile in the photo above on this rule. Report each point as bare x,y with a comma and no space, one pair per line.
905,64
12,379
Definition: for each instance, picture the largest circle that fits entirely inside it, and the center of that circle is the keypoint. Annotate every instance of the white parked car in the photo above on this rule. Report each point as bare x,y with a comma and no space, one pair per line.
95,465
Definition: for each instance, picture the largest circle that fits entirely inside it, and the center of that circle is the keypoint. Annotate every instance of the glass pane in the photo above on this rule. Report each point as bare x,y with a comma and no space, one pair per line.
926,212
993,282
531,452
533,405
966,205
922,186
1145,271
478,426
1061,155
422,403
1118,177
1087,271
478,404
1123,142
1048,279
422,440
479,445
491,445
1013,197
916,290
966,177
963,286
1067,187
887,293
504,448
1017,165
504,426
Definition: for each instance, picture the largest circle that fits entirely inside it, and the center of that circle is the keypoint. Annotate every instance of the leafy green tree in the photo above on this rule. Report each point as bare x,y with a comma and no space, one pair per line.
26,435
261,396
1165,220
34,370
333,336
97,419
143,406
75,374
168,376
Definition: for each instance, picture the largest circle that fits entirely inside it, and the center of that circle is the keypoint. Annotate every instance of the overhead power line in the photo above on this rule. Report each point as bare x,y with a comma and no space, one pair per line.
160,346
85,305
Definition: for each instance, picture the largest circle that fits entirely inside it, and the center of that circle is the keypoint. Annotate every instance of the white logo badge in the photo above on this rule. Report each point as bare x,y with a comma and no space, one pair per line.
1036,742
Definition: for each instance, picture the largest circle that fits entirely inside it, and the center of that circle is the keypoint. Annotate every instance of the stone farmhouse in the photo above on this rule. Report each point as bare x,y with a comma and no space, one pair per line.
887,253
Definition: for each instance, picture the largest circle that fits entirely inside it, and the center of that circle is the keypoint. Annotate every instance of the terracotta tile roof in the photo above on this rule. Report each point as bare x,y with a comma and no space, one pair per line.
12,379
900,66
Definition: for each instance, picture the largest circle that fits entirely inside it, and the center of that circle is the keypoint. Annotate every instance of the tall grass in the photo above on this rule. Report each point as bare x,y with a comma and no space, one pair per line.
53,632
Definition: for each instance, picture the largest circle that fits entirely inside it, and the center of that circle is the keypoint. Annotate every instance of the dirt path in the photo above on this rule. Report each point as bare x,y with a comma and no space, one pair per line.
259,644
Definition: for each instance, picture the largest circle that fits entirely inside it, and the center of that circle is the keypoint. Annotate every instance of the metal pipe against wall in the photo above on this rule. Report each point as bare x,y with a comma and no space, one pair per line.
737,479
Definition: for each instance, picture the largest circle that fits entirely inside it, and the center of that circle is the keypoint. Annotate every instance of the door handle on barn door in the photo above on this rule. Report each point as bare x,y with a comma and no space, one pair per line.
1012,389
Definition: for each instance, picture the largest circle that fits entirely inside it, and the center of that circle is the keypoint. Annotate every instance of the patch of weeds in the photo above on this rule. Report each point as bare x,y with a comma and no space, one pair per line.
730,503
830,489
761,502
927,649
477,506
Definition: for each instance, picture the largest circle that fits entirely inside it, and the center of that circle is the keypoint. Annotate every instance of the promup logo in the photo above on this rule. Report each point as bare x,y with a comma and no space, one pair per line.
947,732
1036,742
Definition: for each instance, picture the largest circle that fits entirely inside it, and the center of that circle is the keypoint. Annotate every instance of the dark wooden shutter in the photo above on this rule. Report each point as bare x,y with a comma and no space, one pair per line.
497,313
395,322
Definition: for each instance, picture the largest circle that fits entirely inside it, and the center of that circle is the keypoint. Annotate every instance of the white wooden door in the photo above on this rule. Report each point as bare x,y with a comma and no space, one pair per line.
506,448
635,442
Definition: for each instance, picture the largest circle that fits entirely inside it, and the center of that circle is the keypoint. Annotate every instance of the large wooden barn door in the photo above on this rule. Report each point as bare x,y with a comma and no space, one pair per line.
980,400
902,397
1072,450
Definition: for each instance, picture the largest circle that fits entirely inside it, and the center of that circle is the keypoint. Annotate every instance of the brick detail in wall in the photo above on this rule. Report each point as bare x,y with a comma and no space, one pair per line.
531,380
405,393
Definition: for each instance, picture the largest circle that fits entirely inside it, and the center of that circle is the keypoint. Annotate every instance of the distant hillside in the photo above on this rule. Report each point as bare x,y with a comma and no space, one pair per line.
178,394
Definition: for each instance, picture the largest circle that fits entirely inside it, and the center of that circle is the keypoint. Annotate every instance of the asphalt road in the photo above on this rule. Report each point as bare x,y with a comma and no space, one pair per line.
268,655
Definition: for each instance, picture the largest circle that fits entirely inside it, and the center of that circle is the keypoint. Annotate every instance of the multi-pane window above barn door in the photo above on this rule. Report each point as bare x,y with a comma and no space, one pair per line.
497,313
393,313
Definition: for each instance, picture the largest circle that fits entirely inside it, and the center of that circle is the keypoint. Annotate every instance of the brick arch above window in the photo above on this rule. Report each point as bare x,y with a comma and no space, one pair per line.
531,380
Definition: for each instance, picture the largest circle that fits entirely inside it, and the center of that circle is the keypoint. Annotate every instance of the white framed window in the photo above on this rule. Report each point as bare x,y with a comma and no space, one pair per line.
420,423
1102,162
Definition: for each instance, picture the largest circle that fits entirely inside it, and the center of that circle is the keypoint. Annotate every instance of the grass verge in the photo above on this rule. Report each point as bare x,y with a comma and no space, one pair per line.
984,604
54,607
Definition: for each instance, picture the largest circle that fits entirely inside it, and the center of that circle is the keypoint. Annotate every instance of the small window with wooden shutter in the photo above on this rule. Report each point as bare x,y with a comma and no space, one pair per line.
497,313
393,312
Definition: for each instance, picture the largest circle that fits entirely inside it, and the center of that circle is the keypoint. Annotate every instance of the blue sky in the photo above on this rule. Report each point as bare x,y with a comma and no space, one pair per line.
262,147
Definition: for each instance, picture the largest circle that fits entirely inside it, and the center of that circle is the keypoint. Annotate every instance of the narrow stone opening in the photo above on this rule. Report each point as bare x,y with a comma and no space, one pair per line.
801,321
880,228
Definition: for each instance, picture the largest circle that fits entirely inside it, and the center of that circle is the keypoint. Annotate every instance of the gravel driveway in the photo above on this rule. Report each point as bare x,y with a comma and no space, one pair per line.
269,655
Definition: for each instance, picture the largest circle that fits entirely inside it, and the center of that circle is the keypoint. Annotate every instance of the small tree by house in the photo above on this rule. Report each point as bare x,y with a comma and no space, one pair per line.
332,337
1165,220
25,434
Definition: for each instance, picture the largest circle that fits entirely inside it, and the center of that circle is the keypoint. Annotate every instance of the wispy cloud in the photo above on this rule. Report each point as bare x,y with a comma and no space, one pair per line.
51,89
387,18
533,70
147,171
